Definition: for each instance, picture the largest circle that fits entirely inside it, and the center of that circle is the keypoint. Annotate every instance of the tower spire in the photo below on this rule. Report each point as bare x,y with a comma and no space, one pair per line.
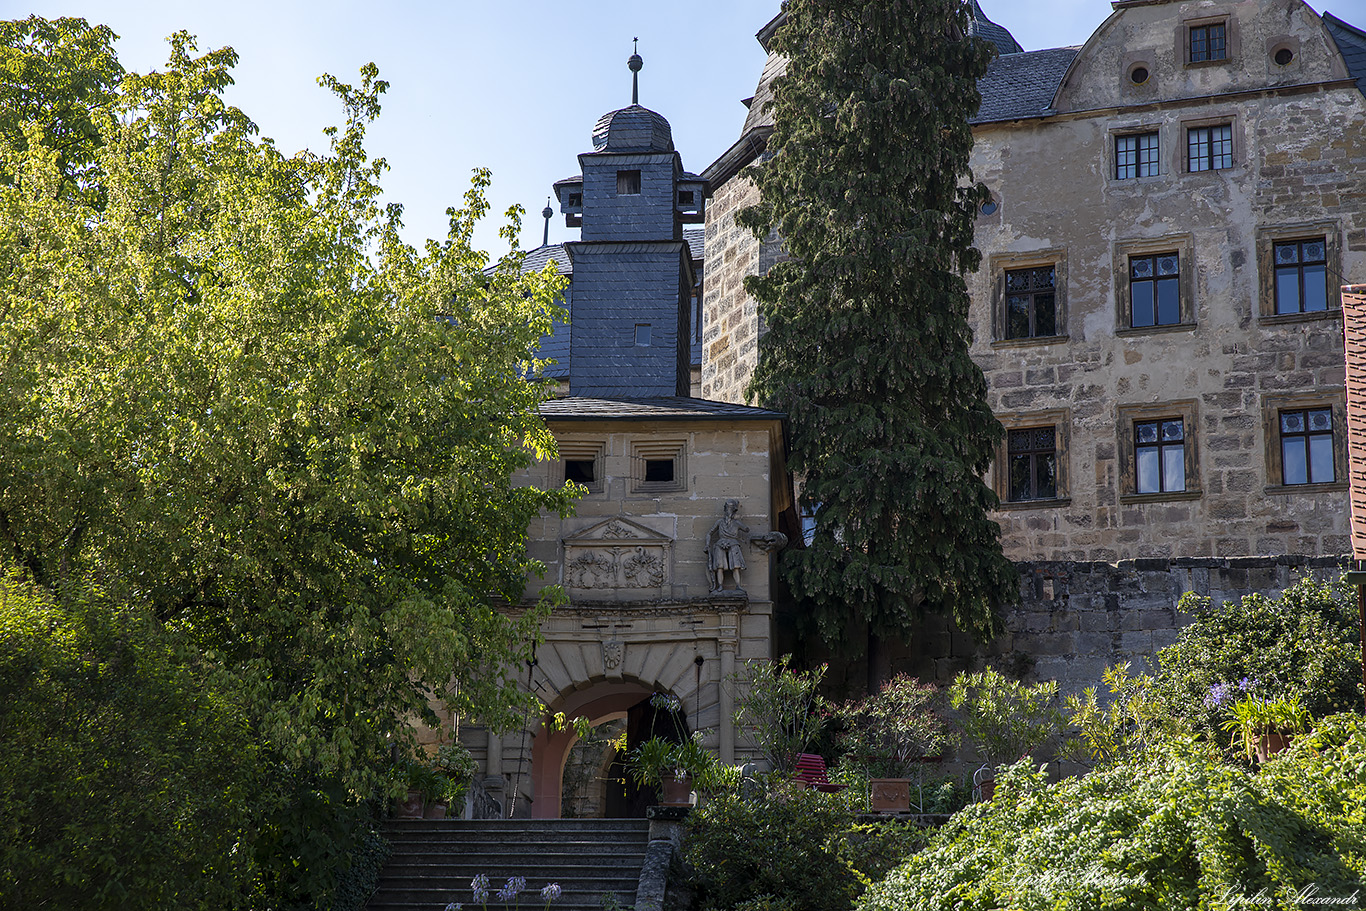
547,213
635,63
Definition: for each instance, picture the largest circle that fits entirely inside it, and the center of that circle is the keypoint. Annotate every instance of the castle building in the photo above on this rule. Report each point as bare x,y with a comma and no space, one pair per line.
668,561
1174,206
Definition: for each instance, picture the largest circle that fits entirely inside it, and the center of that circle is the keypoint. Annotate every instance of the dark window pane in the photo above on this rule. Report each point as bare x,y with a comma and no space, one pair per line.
1019,477
628,183
1314,251
1321,420
579,470
1044,317
1287,253
659,469
1146,433
1292,422
1047,483
1315,289
1142,303
1168,302
1017,316
1141,267
1294,468
1172,430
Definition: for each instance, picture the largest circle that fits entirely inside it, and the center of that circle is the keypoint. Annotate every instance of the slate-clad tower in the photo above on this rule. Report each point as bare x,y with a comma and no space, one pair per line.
633,274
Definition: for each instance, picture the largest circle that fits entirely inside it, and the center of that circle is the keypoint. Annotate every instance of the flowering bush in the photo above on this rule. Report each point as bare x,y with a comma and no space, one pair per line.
885,734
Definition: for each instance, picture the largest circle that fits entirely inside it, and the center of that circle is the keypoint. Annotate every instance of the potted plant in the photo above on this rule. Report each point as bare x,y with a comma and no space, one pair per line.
1266,726
889,735
1005,720
452,768
419,780
675,766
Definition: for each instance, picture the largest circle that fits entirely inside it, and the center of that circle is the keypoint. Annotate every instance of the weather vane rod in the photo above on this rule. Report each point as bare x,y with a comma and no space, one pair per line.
635,63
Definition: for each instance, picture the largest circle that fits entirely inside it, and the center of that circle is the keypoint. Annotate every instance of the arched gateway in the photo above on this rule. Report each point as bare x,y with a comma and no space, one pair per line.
668,562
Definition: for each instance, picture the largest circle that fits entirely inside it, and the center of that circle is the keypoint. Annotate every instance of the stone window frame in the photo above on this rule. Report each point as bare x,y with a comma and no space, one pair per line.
584,451
1334,397
1267,238
1180,161
998,264
1061,421
643,451
1233,45
1181,244
1129,415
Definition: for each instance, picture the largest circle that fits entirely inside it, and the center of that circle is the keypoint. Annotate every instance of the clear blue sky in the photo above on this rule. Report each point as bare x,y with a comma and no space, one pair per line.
514,85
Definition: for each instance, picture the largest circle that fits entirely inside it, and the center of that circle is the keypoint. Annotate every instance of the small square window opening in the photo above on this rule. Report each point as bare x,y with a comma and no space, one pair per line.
1154,290
1160,456
1301,276
643,335
1031,303
1209,148
1307,446
1033,458
580,471
628,183
1136,156
659,470
1208,42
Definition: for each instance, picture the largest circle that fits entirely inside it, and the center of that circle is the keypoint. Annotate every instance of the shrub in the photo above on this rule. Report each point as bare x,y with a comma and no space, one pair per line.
888,732
779,708
1177,830
1004,719
1303,643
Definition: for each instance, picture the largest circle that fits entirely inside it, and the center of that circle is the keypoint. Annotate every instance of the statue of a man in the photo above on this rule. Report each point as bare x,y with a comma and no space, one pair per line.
725,548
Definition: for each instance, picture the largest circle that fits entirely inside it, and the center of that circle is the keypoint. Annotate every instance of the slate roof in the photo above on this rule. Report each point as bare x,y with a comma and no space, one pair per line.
1351,42
1021,86
982,27
664,408
536,259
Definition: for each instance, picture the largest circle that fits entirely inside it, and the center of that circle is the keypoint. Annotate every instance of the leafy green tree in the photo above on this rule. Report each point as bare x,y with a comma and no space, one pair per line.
235,398
868,337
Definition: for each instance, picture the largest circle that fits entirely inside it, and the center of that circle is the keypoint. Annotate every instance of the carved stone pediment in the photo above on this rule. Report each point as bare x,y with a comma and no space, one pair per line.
618,554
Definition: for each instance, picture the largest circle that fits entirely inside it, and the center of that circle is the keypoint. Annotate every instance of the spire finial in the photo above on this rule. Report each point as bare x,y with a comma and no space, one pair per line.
635,63
547,213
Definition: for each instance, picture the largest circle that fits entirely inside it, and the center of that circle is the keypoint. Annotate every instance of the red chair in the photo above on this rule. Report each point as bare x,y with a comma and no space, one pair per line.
811,770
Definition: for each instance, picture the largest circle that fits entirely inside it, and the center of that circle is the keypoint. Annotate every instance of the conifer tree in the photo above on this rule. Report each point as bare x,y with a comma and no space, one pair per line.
867,348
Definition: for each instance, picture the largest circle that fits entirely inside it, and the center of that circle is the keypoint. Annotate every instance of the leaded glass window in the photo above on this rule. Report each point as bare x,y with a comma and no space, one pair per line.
1160,455
1154,290
1031,303
1209,148
1136,156
1307,446
1033,458
1208,42
1301,276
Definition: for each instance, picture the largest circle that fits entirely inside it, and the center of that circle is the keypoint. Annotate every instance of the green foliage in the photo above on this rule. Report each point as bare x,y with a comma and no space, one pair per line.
779,708
654,758
799,851
1177,830
1303,643
867,348
128,774
237,399
1132,721
1004,719
1253,717
888,732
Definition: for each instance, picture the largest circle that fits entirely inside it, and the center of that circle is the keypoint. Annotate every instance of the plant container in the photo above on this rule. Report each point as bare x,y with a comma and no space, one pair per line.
676,790
410,807
436,810
1271,743
890,795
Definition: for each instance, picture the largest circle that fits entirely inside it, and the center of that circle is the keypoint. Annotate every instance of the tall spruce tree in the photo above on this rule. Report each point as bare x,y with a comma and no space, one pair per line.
868,336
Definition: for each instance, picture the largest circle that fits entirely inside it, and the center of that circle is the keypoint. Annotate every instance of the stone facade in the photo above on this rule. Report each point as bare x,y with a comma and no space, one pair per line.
730,320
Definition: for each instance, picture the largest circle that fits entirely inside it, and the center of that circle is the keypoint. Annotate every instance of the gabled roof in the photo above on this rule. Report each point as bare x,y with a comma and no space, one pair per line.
1021,86
663,408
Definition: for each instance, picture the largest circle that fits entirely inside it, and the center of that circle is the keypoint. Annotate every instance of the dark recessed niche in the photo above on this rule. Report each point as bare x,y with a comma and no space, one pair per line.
581,471
1283,56
659,470
989,207
685,197
1138,75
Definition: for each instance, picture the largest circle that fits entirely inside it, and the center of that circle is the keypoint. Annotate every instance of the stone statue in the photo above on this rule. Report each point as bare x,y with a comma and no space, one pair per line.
725,549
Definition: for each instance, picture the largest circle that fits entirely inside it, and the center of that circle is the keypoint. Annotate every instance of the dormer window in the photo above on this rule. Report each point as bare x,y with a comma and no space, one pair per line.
575,200
1208,42
628,183
685,197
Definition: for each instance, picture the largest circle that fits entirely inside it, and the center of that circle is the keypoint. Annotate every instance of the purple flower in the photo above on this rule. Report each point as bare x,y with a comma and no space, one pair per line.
551,892
510,890
480,885
665,702
1246,684
454,906
1218,695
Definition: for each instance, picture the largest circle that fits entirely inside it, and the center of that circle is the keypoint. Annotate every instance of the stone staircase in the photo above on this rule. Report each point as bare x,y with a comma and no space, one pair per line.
434,860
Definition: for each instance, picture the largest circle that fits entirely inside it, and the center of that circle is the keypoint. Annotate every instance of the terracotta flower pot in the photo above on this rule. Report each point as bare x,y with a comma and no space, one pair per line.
410,807
676,791
1271,743
435,810
890,795
986,790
